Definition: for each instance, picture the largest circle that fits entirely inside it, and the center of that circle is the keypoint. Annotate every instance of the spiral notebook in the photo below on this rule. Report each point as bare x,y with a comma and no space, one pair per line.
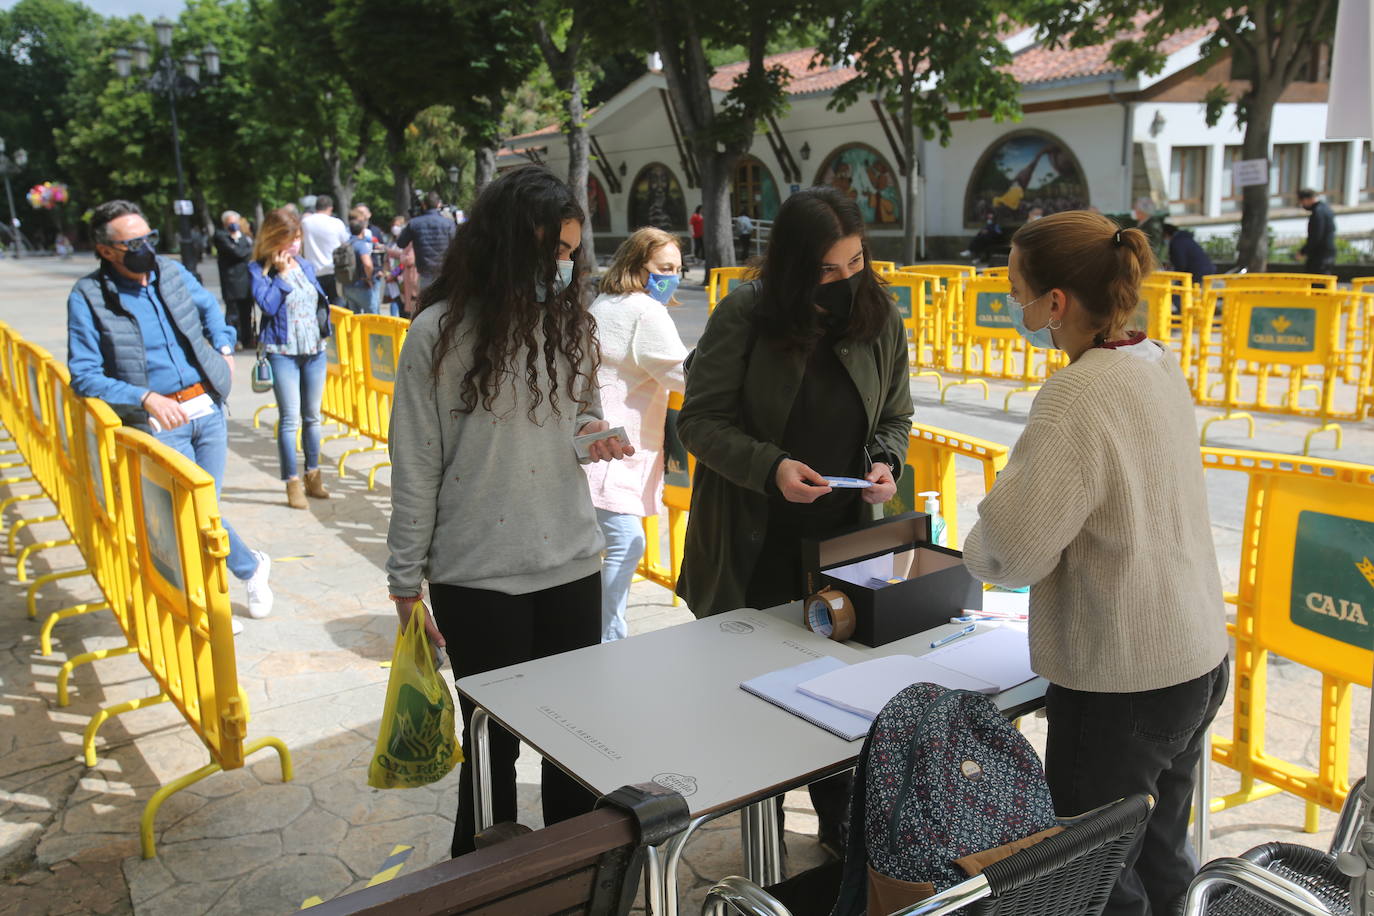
780,689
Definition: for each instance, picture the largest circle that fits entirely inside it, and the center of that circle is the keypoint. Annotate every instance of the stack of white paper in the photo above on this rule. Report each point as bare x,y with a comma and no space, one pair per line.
866,687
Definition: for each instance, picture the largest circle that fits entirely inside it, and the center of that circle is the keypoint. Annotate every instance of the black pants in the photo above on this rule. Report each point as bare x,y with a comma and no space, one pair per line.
331,292
485,630
238,313
1104,746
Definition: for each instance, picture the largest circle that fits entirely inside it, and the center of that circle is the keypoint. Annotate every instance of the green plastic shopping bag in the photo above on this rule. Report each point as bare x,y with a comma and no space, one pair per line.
417,743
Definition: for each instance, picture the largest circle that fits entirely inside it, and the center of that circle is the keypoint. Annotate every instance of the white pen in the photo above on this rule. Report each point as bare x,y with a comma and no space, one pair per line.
953,636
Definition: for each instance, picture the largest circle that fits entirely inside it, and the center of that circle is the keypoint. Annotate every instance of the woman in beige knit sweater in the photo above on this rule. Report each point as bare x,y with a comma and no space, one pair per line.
1102,511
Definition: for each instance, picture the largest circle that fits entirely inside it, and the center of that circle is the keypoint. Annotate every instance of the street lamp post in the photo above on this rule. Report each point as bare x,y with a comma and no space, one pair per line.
10,167
167,80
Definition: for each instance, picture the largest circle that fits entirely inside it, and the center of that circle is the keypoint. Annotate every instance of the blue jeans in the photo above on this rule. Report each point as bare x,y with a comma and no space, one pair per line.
206,442
359,300
298,383
624,546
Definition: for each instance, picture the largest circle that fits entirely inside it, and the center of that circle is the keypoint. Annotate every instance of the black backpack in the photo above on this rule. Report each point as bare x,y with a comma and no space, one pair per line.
942,774
345,263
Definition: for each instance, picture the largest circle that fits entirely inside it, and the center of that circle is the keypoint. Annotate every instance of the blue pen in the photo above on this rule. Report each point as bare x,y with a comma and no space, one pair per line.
953,636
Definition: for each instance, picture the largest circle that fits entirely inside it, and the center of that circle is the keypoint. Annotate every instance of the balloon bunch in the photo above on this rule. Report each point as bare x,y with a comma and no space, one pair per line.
47,195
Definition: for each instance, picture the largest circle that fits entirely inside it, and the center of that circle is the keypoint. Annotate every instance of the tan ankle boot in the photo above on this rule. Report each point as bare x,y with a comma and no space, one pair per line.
295,493
314,485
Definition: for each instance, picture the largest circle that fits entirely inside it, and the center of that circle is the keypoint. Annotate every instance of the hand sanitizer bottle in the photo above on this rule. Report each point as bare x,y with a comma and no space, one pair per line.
938,536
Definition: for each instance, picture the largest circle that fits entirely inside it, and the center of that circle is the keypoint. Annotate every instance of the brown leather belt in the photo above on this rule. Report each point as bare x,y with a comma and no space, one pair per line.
185,394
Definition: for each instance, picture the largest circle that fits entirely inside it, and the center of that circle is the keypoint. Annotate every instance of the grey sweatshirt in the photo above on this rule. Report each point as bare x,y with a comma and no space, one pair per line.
486,499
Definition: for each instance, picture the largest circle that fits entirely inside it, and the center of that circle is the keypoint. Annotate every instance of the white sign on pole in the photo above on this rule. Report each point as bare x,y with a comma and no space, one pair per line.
183,208
1250,171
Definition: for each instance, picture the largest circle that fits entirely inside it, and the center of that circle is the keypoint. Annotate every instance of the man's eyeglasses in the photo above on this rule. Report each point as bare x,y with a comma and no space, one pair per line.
134,244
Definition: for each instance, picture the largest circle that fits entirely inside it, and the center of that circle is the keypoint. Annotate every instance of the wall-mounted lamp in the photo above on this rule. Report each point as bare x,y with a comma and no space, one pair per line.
1157,125
805,151
623,170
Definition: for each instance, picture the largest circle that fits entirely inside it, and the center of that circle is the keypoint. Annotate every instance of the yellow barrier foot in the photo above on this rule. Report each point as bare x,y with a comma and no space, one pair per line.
30,550
258,413
145,826
1250,790
1325,427
45,635
11,464
109,712
358,451
939,379
64,674
14,529
944,392
1006,402
50,577
342,435
16,499
1249,420
1312,823
372,473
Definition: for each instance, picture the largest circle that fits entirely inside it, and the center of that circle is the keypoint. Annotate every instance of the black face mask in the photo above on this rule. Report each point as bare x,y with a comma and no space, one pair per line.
140,260
837,299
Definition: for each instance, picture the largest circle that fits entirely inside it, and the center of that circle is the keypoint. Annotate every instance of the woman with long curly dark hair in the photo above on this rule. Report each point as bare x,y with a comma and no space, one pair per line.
488,503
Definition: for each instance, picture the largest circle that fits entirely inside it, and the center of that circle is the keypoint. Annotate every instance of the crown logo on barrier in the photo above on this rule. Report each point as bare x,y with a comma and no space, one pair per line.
1281,323
1367,570
996,305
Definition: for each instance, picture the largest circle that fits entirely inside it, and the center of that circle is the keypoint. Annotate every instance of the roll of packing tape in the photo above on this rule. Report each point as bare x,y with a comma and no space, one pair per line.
830,613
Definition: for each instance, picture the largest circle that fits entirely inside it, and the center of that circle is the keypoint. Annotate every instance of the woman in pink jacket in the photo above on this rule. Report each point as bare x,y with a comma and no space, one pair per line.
641,362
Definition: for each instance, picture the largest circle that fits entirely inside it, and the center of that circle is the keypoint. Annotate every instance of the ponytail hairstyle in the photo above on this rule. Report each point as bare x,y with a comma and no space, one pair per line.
1088,255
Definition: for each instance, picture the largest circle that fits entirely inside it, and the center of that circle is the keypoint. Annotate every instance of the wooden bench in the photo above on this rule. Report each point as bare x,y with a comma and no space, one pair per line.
589,864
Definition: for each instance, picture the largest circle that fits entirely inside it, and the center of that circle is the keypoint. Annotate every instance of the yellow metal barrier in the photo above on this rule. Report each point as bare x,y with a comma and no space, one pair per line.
178,582
917,300
1275,347
678,466
722,281
340,385
375,351
986,345
883,268
930,465
1307,570
999,272
37,443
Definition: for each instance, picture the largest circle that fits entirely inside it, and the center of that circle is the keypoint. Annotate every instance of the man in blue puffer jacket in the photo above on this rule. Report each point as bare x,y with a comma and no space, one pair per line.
150,341
430,233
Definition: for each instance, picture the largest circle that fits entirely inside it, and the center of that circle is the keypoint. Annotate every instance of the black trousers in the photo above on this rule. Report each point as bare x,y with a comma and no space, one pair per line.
1104,746
238,313
486,630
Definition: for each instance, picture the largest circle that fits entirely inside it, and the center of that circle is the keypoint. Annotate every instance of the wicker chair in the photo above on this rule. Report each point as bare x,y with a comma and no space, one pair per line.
1276,879
1070,874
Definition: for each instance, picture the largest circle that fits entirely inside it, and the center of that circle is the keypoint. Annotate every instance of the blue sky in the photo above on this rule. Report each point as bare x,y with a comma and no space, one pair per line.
149,8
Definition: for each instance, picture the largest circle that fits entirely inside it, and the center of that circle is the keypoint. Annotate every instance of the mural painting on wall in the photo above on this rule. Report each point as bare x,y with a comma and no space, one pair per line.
1021,172
861,173
598,205
656,199
754,191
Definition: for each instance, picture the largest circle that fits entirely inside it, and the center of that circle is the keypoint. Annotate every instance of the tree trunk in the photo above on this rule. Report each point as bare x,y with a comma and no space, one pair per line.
1252,250
579,156
400,175
719,238
484,170
908,139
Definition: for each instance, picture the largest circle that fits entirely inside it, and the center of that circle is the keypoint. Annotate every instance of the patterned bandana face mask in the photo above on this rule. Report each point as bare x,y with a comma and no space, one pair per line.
662,286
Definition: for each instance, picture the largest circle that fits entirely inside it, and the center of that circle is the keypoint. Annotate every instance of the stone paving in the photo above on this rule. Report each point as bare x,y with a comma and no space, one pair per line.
244,841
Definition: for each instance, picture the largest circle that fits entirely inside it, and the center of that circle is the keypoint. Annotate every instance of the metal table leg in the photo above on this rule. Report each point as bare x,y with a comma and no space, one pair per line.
481,783
1202,801
761,842
662,867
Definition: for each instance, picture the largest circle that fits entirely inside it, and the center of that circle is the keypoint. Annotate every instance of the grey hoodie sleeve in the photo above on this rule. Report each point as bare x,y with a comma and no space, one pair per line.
416,447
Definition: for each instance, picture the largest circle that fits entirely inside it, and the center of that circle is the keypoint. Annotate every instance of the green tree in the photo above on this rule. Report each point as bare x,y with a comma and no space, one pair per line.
922,60
1269,40
719,135
567,65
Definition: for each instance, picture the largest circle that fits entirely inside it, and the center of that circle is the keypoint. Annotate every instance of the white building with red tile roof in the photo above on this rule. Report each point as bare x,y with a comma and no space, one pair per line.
1089,136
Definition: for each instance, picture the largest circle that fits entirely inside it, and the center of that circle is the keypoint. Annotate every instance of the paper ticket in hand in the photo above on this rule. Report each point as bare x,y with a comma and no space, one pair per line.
581,443
202,405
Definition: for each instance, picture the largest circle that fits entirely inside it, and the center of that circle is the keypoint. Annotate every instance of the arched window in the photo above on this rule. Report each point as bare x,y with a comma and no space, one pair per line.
1022,171
656,200
598,205
753,191
861,172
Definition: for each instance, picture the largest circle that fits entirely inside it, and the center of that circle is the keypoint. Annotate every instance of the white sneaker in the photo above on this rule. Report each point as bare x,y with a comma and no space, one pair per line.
235,626
259,594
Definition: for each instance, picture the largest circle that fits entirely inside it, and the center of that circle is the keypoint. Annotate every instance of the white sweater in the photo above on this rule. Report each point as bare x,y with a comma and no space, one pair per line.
1102,511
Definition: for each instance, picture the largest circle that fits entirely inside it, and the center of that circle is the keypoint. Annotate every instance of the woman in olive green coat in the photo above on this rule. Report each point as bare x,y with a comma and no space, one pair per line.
799,374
